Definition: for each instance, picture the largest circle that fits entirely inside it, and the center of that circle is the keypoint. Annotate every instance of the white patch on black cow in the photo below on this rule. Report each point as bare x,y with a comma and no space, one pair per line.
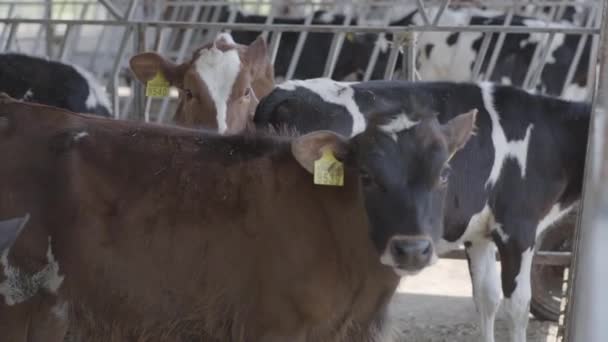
80,135
398,124
219,70
537,37
340,93
517,306
29,94
446,61
554,215
97,93
575,92
503,149
19,287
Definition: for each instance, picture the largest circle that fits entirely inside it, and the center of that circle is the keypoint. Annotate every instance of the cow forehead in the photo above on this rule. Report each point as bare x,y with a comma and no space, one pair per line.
219,71
398,124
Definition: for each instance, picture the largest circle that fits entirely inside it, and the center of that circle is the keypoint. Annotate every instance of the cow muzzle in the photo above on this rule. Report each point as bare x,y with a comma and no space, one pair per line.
408,254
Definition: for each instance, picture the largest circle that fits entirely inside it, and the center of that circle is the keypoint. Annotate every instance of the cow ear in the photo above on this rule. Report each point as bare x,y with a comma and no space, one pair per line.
257,54
146,65
310,147
10,230
458,130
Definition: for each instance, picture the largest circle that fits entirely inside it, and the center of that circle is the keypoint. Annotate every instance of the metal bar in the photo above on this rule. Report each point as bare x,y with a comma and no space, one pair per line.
373,60
48,14
113,86
577,56
336,47
298,49
319,28
409,55
67,37
11,10
493,3
483,51
139,45
392,59
499,43
111,9
541,64
269,20
540,257
587,309
11,35
532,66
274,46
130,10
425,17
186,39
593,67
444,5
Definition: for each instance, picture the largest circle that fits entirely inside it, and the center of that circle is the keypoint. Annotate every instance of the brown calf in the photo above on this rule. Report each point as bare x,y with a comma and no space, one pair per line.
219,86
139,232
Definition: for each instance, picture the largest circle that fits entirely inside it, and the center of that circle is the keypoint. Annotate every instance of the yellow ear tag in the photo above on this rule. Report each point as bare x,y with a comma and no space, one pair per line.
328,170
158,86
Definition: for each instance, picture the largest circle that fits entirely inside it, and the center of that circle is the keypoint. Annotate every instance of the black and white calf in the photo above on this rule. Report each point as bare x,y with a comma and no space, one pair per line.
52,83
520,172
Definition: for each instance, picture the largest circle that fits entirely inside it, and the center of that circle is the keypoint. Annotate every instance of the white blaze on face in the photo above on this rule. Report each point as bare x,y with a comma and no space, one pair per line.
219,70
400,123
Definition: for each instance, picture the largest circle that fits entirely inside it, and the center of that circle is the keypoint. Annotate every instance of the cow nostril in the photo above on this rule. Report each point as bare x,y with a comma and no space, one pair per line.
427,248
412,252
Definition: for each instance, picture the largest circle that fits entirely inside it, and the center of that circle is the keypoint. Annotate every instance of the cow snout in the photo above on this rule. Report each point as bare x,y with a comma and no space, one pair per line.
411,253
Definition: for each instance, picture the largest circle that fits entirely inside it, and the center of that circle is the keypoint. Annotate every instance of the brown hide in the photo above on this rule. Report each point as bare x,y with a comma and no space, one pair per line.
170,234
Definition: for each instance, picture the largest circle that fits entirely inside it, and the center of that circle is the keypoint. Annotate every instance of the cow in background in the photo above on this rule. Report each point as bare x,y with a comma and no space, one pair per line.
521,172
442,56
156,233
52,83
219,86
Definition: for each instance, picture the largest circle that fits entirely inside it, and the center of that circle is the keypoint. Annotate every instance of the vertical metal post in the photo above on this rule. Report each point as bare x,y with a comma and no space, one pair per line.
48,14
588,304
12,31
139,45
113,86
408,45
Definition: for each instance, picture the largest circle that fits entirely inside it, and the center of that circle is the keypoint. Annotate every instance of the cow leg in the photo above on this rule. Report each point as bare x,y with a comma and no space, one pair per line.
481,255
516,260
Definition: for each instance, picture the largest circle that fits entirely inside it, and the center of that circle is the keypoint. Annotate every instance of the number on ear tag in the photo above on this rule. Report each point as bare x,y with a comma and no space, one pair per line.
329,170
158,86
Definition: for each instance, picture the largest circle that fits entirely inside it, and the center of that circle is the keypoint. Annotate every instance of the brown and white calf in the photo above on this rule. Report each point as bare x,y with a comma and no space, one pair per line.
142,232
219,86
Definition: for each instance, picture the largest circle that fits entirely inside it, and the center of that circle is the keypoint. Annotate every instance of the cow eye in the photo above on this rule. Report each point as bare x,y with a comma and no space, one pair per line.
188,93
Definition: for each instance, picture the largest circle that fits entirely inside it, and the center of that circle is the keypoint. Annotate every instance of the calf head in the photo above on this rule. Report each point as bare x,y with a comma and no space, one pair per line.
218,87
402,165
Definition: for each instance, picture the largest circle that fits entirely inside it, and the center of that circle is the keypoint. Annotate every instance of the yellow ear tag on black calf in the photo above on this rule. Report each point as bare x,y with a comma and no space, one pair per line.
329,170
158,86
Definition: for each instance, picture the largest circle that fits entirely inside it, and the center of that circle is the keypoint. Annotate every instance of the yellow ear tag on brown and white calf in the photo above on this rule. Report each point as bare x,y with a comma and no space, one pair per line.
329,170
158,86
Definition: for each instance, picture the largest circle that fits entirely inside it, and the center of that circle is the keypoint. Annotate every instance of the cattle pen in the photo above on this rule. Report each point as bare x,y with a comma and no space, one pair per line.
100,36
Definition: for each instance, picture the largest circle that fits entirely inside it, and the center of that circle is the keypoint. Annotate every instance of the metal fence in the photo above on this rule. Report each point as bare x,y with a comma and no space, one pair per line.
100,36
